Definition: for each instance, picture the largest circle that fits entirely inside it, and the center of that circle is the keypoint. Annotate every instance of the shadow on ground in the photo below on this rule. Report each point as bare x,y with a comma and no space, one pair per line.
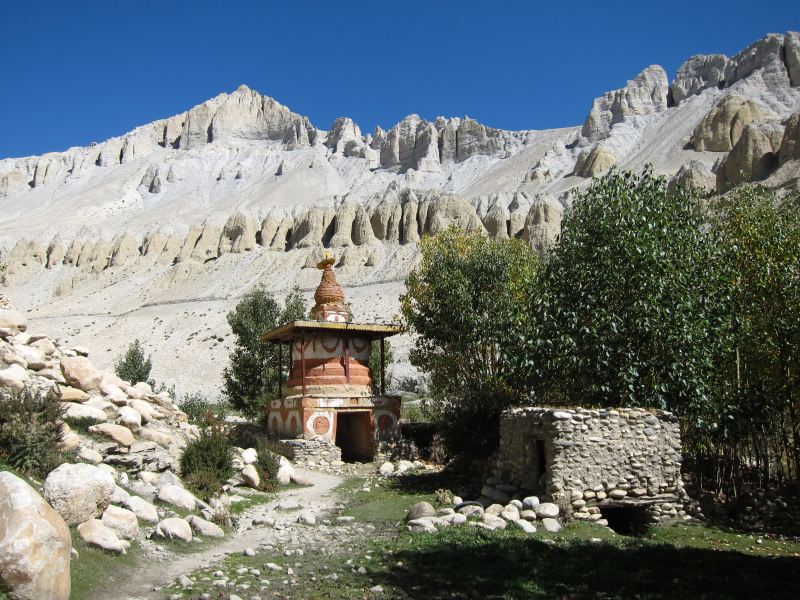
477,564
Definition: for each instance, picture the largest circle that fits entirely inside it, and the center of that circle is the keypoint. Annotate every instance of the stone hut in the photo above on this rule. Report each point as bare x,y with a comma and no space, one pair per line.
599,464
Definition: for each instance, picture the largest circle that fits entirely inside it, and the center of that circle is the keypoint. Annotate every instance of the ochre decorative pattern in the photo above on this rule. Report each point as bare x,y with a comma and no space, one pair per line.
321,425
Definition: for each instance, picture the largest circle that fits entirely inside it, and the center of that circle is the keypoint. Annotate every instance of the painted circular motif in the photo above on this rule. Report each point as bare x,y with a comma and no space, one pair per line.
321,425
385,422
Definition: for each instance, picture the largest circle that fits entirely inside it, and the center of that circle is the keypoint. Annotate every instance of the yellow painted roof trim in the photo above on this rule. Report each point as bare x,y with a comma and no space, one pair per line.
290,330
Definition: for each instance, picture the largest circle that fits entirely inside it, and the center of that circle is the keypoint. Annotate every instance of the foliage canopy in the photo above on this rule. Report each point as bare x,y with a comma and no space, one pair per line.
134,366
467,301
251,376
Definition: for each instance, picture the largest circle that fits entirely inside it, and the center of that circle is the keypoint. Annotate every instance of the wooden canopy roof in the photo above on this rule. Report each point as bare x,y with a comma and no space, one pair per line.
294,329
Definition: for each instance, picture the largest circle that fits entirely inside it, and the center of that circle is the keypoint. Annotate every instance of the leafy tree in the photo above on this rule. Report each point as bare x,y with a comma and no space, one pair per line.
631,310
251,377
134,366
756,418
375,364
467,301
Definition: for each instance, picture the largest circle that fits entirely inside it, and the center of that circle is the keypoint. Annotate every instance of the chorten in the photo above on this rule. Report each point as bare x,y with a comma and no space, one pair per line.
329,391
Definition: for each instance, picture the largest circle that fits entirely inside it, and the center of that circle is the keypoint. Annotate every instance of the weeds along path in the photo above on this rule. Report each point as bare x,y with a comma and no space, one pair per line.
161,570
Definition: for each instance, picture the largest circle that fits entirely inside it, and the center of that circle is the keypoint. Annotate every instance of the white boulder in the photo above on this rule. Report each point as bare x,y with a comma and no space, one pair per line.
79,492
35,544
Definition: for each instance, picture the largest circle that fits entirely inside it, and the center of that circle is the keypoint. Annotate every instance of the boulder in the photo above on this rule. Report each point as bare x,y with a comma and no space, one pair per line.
122,521
71,394
790,144
284,475
421,526
694,174
12,322
530,503
754,156
177,496
174,529
35,544
45,345
33,357
595,162
154,435
510,513
79,372
551,525
83,411
13,377
79,492
130,417
120,495
526,526
141,508
386,469
118,433
249,456
543,224
205,528
546,510
90,455
420,510
251,478
493,521
722,126
94,533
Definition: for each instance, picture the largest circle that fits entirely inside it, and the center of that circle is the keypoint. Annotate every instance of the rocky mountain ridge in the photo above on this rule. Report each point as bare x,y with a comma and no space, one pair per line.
193,210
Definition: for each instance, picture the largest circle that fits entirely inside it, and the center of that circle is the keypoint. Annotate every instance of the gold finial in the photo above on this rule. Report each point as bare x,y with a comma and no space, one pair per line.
327,260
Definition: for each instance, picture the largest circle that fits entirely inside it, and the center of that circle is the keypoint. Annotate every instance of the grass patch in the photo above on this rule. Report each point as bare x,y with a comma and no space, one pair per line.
681,561
584,561
97,571
251,500
385,501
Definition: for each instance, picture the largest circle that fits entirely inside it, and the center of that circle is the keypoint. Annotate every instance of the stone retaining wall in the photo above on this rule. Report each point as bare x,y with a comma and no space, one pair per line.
318,451
587,459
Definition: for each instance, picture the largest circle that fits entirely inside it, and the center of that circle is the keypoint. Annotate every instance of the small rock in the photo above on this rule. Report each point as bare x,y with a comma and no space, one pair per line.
524,525
420,510
546,509
551,525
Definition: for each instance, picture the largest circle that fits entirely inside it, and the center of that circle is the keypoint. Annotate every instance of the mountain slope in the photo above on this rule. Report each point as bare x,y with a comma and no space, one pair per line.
155,234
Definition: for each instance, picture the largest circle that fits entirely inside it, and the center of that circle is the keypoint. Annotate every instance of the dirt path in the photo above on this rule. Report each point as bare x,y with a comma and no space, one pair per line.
158,572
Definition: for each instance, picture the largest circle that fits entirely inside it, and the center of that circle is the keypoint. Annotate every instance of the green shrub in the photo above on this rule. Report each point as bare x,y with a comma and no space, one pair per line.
269,453
80,425
198,407
206,463
30,431
135,365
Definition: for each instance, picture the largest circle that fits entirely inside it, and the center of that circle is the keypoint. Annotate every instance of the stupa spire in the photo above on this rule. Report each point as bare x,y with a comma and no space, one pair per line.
329,296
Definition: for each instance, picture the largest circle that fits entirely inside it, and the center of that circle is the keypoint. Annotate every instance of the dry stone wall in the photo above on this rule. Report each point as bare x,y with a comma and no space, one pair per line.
587,459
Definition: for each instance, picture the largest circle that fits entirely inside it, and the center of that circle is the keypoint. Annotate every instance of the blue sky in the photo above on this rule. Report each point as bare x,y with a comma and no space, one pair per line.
83,71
